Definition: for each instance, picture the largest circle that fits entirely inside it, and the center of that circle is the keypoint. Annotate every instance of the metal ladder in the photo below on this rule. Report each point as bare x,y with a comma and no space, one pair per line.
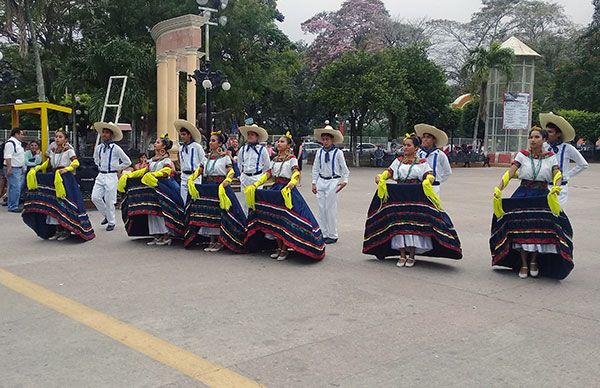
108,105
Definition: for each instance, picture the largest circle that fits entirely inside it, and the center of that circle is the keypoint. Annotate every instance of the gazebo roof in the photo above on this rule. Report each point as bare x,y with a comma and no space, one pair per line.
519,48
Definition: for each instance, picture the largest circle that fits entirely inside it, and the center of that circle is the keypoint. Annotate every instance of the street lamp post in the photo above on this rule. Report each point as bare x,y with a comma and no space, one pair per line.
209,79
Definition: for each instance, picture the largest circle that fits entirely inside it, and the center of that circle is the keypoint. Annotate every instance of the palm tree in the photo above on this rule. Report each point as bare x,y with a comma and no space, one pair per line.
480,63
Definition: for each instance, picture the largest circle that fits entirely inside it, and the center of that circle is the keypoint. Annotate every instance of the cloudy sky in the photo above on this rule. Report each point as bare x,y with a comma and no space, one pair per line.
297,11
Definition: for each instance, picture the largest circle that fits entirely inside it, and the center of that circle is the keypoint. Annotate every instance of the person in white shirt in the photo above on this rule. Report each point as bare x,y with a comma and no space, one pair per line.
110,159
432,140
191,154
14,164
329,176
560,133
253,158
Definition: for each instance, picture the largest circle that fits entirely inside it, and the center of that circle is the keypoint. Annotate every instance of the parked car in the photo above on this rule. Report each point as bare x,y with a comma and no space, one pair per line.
310,148
368,148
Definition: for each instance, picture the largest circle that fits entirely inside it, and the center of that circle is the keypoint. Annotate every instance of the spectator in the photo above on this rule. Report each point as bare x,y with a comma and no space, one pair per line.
378,156
33,155
14,163
270,150
298,151
580,143
598,143
142,162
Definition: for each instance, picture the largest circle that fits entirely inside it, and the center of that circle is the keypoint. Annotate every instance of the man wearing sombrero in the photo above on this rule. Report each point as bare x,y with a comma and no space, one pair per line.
432,139
253,158
329,176
560,133
110,159
191,153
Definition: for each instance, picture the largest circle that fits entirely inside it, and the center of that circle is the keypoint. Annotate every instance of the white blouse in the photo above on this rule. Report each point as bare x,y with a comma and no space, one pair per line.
403,171
283,169
156,165
60,159
217,167
527,165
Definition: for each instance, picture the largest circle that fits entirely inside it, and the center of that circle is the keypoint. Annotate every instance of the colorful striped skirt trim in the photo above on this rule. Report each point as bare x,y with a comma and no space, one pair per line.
409,211
296,227
70,211
528,220
163,200
206,212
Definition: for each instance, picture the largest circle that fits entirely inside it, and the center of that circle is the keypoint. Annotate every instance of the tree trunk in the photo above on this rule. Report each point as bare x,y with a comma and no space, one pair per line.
394,127
482,111
36,53
353,137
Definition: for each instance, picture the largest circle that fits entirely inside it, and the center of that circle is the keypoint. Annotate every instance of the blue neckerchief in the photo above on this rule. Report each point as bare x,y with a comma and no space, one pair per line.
186,145
428,151
106,145
327,150
554,146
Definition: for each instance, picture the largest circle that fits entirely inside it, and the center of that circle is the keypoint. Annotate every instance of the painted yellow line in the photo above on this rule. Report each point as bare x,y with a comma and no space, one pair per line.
198,368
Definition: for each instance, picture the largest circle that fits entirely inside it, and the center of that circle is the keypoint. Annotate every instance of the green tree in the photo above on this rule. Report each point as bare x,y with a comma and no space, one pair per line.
480,63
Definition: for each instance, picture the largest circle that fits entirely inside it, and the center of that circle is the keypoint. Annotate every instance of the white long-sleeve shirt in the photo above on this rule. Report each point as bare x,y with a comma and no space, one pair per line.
336,167
191,156
110,158
566,154
438,161
253,159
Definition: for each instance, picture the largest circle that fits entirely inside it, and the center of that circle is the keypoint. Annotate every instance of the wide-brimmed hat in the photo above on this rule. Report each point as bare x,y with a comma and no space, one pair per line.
441,139
567,130
338,138
191,128
116,131
262,133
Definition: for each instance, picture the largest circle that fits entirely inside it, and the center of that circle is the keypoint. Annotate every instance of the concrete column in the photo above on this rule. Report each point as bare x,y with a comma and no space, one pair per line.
191,65
172,95
162,118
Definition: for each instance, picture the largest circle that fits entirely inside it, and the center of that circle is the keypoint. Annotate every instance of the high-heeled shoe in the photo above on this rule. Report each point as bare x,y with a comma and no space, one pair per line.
534,270
276,254
162,241
523,274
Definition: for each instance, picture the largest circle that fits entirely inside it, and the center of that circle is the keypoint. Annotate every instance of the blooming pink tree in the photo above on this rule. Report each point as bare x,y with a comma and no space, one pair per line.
357,25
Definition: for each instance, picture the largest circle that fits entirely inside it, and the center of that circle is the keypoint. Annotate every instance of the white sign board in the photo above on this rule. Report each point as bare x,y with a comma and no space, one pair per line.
517,110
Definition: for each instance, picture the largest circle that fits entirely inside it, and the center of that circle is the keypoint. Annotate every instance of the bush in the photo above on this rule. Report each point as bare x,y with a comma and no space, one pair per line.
586,124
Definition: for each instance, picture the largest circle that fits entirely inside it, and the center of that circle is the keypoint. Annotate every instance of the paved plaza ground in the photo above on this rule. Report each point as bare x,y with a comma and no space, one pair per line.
348,321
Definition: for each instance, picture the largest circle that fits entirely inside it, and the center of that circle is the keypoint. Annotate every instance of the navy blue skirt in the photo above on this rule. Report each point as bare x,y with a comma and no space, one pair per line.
206,212
409,211
296,227
529,220
163,200
70,211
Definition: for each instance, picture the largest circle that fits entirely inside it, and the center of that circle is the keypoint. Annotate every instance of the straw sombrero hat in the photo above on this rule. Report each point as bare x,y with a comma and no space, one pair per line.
191,128
116,131
338,138
568,132
262,133
441,139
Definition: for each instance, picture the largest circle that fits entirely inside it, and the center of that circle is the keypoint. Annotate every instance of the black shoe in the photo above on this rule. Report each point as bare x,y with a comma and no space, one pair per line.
330,240
110,228
18,210
104,221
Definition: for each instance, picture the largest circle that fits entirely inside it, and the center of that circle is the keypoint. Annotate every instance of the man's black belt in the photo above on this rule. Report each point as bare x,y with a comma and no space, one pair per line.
106,172
187,172
329,177
256,173
436,183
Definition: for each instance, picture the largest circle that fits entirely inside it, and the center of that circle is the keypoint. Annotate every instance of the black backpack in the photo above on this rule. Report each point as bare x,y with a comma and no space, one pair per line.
3,145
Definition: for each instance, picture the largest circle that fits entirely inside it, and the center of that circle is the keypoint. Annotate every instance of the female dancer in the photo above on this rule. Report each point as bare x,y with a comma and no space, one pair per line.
54,207
408,217
214,211
529,232
153,204
280,213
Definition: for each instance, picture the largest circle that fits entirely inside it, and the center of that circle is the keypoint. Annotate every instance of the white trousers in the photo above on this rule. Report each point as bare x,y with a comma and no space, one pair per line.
327,200
104,195
183,189
246,181
436,189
